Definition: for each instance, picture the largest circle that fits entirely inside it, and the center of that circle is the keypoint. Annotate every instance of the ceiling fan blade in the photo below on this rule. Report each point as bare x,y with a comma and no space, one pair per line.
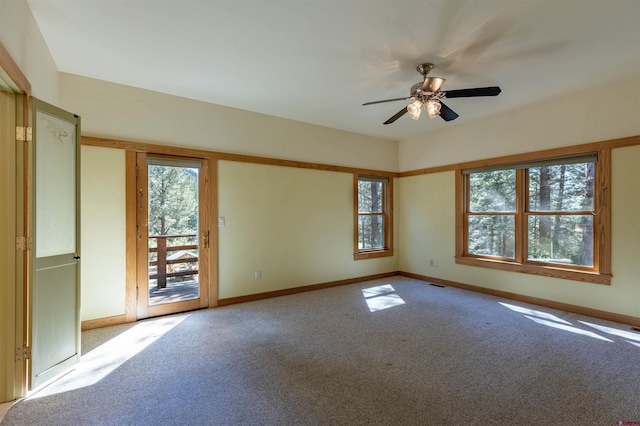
387,100
470,93
399,114
447,113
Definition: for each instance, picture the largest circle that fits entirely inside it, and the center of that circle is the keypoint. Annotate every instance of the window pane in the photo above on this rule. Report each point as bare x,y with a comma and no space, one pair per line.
371,232
493,191
561,239
492,235
369,196
566,187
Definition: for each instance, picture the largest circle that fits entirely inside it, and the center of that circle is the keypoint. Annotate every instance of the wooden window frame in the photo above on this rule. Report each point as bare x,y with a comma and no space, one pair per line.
387,214
600,273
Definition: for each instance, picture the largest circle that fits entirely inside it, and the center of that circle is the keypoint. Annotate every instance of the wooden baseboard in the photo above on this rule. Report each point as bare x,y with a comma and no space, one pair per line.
581,310
122,319
288,291
103,322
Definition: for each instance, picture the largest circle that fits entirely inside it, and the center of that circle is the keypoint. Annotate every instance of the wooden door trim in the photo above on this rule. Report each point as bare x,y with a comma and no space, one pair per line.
18,377
131,254
142,241
13,71
212,226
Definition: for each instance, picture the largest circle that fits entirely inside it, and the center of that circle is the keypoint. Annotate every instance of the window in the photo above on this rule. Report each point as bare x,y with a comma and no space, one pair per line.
548,217
373,224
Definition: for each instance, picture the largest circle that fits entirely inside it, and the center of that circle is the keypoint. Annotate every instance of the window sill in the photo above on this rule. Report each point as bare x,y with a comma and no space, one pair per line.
545,271
371,254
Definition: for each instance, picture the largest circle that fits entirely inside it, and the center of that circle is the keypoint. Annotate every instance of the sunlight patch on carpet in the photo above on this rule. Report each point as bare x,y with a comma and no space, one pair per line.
626,334
550,320
534,313
568,328
100,362
381,297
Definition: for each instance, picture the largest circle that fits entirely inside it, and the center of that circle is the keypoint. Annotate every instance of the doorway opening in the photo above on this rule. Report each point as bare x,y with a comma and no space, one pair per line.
172,235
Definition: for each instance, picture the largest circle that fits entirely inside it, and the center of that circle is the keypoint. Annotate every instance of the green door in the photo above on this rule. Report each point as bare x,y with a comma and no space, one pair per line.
54,288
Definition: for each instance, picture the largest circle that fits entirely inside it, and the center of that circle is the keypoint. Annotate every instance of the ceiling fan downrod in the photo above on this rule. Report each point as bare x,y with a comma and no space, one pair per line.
424,69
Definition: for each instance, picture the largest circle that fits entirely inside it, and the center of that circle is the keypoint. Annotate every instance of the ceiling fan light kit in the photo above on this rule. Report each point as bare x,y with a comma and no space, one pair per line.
433,108
415,109
427,95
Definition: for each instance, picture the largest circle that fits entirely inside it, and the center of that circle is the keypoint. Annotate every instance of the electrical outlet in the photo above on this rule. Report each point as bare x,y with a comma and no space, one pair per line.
435,263
258,274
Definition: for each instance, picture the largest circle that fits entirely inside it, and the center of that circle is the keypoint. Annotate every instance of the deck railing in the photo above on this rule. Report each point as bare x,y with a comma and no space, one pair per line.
163,266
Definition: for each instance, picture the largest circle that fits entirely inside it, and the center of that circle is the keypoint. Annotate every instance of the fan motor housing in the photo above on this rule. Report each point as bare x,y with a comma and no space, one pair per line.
430,84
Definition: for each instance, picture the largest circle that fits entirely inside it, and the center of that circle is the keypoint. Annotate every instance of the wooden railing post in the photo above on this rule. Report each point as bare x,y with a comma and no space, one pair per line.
164,266
162,262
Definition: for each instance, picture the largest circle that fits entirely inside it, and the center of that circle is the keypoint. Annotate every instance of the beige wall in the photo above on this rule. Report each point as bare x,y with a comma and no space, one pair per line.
312,241
103,232
20,35
427,202
427,231
122,112
606,112
294,225
296,238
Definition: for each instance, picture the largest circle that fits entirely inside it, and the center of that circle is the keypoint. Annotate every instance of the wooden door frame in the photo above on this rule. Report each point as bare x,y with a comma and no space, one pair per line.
18,321
208,296
9,218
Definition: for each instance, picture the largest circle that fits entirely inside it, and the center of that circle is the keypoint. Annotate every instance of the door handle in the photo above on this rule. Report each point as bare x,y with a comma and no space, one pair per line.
76,257
205,239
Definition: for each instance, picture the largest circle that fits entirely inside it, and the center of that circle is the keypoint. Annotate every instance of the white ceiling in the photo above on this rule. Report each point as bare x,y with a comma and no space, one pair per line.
317,61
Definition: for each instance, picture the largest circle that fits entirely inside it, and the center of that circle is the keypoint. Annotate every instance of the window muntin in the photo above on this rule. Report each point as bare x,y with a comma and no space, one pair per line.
373,216
552,224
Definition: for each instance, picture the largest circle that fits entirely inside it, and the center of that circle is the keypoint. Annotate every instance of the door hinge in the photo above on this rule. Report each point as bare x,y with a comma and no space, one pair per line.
23,243
24,133
22,353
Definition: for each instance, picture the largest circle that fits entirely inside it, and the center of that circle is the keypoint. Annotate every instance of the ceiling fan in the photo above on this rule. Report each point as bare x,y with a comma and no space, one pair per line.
428,96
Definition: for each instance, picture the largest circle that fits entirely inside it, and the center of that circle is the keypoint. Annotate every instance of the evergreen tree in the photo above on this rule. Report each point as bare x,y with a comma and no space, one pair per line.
173,201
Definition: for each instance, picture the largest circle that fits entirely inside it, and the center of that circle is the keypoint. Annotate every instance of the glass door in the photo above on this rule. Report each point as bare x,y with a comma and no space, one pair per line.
173,238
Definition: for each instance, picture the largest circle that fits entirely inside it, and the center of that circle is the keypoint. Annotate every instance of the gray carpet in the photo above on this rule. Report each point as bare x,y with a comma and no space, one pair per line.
444,357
